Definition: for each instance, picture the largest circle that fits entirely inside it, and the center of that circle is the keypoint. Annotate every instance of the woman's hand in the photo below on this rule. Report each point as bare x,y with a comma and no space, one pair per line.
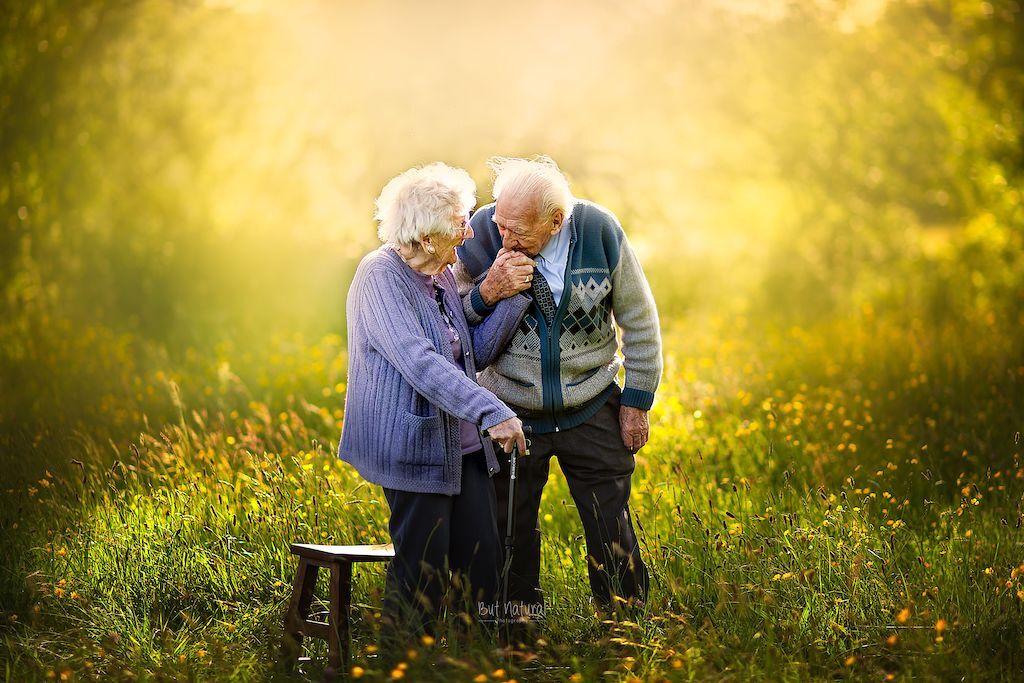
509,433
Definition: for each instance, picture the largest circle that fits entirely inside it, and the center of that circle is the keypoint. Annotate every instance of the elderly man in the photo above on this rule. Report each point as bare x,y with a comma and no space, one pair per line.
558,371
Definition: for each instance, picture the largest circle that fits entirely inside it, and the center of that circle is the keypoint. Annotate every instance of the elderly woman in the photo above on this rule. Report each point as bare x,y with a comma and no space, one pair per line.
416,422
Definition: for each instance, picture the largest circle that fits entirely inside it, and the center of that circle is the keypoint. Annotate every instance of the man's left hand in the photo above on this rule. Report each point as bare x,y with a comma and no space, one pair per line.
635,427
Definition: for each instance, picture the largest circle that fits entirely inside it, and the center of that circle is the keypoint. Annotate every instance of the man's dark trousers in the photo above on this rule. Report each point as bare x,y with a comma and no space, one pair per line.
598,469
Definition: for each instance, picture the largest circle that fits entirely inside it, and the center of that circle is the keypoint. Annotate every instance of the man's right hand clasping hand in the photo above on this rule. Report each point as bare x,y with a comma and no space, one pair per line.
511,273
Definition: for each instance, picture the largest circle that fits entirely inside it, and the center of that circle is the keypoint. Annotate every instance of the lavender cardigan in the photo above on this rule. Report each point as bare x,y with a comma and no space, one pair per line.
405,392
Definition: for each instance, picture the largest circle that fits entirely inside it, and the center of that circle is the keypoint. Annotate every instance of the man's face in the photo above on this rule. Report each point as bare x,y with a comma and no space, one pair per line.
520,227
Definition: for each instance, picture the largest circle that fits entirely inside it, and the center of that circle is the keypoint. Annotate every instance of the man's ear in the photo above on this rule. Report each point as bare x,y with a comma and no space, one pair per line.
557,218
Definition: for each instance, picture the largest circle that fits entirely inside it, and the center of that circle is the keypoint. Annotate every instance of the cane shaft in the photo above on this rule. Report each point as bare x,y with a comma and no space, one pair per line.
513,470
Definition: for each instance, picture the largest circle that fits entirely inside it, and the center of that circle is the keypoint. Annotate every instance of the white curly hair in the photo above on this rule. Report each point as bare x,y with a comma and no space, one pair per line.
538,177
424,201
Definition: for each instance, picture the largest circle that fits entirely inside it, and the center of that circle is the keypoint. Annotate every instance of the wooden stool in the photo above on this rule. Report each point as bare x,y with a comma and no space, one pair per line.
339,559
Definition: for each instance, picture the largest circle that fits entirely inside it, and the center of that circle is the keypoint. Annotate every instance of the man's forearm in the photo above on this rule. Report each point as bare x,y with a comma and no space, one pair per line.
637,316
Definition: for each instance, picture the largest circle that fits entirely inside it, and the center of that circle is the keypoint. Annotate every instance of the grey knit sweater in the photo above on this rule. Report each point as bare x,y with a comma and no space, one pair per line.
405,393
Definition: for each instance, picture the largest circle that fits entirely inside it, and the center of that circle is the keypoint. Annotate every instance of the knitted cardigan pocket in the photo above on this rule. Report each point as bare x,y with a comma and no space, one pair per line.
423,437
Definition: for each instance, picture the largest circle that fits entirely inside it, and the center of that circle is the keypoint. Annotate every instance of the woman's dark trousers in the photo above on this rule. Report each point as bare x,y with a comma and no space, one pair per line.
435,535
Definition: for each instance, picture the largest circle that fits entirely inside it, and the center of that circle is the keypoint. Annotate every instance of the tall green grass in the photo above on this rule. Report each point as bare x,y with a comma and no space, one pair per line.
836,501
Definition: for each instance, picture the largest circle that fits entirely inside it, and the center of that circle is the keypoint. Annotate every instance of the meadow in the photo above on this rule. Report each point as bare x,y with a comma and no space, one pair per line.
827,198
841,501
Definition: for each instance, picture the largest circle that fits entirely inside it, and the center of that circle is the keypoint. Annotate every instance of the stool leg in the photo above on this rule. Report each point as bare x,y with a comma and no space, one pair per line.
341,598
298,611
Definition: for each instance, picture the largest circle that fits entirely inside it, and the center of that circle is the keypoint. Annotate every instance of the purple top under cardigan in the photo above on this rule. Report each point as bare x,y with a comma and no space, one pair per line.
469,433
406,395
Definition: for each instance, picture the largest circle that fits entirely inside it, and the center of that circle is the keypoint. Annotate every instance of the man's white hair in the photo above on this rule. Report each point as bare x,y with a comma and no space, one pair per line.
538,177
424,201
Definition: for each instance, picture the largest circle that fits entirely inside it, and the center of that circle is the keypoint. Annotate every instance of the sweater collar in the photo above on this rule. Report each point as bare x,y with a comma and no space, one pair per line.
414,276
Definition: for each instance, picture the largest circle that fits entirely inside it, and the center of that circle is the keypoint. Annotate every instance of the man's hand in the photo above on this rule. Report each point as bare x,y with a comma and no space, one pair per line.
508,433
511,273
635,427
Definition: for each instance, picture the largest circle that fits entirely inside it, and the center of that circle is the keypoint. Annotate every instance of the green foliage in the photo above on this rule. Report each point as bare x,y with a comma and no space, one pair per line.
166,166
826,198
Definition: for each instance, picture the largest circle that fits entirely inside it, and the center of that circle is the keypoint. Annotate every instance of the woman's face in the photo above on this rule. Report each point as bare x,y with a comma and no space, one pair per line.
445,246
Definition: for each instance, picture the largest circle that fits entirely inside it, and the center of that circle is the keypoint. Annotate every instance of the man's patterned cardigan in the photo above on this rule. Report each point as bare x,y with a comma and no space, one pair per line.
557,375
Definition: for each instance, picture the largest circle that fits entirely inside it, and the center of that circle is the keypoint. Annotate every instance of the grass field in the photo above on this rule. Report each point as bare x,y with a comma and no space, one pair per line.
842,501
827,197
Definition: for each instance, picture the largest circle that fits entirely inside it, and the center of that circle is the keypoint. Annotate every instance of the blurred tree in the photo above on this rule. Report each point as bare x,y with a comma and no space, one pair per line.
193,171
100,147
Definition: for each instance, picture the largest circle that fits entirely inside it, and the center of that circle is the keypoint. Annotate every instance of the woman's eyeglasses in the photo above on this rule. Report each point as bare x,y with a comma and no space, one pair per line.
462,232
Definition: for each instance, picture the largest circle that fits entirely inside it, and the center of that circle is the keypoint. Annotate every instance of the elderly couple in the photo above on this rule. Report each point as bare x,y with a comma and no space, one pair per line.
462,329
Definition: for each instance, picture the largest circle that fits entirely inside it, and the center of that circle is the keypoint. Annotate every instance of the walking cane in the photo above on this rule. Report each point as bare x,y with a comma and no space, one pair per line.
513,471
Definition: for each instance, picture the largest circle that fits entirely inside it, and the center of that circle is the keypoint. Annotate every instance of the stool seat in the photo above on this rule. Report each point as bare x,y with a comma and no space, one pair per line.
348,553
338,559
